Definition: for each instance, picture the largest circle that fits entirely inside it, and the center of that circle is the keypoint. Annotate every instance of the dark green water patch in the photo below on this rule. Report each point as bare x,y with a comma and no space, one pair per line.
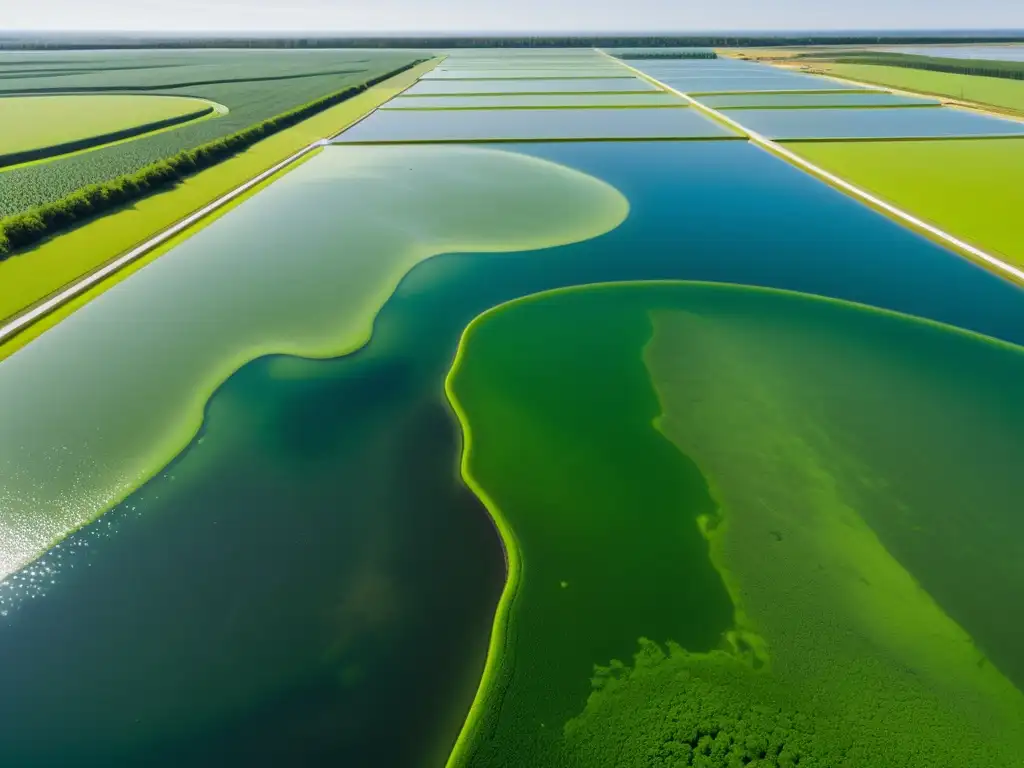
811,420
604,509
307,471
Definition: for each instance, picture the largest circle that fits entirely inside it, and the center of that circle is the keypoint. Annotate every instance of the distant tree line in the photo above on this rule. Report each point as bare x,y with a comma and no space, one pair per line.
97,41
667,55
1013,70
29,228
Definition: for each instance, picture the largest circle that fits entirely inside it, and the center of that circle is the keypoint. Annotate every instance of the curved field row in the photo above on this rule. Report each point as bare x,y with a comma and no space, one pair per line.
800,412
44,127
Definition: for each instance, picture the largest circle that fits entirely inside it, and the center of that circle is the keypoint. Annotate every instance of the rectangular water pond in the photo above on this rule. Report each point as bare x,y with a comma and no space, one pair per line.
940,122
813,100
399,126
499,87
539,100
516,73
755,83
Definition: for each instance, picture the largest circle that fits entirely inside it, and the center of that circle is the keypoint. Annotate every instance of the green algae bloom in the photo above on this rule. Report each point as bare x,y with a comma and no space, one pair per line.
108,396
831,438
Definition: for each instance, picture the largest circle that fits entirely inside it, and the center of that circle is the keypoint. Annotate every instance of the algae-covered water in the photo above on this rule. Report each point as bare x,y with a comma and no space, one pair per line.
810,421
310,577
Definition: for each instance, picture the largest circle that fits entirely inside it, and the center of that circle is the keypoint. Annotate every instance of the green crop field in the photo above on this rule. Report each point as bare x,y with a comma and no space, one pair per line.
255,86
992,91
36,127
972,189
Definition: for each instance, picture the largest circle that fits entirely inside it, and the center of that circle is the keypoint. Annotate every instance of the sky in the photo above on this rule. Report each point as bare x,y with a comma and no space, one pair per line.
423,16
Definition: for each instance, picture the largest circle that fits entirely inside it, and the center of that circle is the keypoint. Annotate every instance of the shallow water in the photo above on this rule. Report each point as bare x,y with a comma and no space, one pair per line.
534,124
944,122
651,99
589,71
301,268
809,100
752,84
575,85
716,211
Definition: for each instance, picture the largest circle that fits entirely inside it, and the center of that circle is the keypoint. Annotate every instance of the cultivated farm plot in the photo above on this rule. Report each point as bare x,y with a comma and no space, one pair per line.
35,127
994,91
254,86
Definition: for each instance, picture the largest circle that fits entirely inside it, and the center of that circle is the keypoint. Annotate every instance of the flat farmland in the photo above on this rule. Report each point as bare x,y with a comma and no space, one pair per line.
37,127
992,91
254,86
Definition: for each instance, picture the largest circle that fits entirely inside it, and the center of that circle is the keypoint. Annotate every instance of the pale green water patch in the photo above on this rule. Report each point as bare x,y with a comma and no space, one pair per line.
813,421
105,398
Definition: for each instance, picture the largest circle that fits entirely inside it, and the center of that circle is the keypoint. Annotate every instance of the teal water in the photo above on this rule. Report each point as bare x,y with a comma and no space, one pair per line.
395,125
590,85
808,100
315,576
590,71
649,99
945,122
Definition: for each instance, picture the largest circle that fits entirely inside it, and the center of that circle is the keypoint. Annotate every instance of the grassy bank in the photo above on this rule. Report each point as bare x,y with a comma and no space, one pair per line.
1004,95
970,188
1010,70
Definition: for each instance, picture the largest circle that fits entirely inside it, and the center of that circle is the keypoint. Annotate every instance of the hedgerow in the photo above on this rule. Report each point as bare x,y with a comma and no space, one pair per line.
28,228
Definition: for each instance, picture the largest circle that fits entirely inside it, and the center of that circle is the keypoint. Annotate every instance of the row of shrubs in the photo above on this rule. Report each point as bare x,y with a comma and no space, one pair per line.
27,229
